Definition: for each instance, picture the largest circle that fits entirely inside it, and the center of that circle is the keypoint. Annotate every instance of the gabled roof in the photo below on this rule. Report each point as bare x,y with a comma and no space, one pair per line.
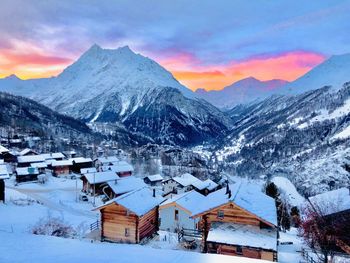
26,171
248,197
119,167
30,159
27,150
61,163
3,149
100,177
49,156
155,178
188,200
139,201
4,174
187,179
39,165
207,184
126,184
88,170
81,160
108,159
331,202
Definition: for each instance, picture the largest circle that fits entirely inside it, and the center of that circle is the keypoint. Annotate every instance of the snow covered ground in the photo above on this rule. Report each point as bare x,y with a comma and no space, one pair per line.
289,253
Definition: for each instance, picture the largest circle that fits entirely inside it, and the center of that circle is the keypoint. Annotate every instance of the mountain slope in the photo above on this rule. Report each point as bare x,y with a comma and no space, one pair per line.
240,92
119,86
334,72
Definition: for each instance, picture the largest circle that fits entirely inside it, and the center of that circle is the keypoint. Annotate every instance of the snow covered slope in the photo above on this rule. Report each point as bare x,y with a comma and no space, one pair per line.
334,72
240,92
119,86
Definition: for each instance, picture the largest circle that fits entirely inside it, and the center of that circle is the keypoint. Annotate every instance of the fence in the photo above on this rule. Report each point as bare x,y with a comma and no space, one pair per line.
95,225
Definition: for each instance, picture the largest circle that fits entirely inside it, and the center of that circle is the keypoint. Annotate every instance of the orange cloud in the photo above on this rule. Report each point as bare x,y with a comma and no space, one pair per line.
288,66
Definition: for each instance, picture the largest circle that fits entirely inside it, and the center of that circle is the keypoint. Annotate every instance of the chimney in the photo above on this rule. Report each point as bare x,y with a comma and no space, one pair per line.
154,192
229,194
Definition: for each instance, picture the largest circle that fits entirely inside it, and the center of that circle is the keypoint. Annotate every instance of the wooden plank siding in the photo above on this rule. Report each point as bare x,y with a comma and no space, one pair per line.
115,219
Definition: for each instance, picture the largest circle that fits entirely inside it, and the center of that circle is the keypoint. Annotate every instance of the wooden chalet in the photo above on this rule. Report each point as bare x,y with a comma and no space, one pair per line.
80,162
26,174
131,217
27,152
4,174
27,160
153,180
95,182
61,167
122,168
239,221
123,185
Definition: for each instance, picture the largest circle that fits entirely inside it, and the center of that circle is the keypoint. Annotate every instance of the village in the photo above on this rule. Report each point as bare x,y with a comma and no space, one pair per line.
102,199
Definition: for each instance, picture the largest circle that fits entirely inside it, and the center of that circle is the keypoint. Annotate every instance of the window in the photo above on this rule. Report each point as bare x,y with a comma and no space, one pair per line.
127,232
176,215
239,250
220,214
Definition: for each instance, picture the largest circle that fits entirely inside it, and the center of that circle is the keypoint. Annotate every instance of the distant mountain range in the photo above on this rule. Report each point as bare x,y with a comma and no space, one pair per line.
119,86
241,92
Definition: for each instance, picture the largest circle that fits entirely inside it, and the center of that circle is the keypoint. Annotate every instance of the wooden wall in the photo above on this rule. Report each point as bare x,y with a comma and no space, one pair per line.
115,219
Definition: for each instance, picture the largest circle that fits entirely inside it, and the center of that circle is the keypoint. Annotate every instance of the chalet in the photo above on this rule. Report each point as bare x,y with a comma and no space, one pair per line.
88,170
153,180
105,161
122,168
6,155
130,217
4,174
27,152
61,167
53,156
205,187
123,185
80,162
180,184
334,206
239,221
176,212
26,161
25,174
70,154
93,183
40,166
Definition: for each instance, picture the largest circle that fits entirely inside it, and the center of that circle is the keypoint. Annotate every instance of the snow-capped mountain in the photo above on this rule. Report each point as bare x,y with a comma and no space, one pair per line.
241,92
334,72
120,86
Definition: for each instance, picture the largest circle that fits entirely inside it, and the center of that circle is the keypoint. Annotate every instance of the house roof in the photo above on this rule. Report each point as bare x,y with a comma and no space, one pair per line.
57,155
100,177
107,159
39,165
3,149
188,200
119,167
139,201
243,235
25,151
207,184
61,163
26,171
187,179
88,170
126,184
4,174
155,177
331,202
81,160
30,159
247,196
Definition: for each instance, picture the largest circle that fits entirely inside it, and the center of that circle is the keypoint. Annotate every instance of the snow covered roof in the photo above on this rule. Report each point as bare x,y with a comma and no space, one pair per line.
25,151
4,174
155,177
26,171
288,188
126,184
246,196
101,177
207,184
119,167
30,159
332,201
187,179
243,235
80,160
3,149
188,200
139,201
61,163
88,170
39,165
48,156
108,159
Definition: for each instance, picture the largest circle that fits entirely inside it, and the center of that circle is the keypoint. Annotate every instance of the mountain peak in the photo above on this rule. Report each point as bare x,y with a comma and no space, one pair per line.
12,77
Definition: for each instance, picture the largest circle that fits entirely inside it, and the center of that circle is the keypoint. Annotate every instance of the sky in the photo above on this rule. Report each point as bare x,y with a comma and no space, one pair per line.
205,44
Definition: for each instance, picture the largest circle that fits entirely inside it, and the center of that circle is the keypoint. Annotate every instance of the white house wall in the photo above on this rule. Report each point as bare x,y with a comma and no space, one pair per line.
168,222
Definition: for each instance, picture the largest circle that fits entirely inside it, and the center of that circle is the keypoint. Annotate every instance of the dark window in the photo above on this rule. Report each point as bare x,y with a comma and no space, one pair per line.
239,250
176,215
127,232
220,214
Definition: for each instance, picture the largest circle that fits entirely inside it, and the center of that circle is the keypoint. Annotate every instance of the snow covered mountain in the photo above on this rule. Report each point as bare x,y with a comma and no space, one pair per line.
334,72
119,86
241,92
